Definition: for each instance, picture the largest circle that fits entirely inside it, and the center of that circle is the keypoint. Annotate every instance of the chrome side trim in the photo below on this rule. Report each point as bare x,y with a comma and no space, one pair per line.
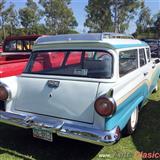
62,129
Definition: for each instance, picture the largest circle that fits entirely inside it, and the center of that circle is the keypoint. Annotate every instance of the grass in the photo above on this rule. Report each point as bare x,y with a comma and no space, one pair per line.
18,144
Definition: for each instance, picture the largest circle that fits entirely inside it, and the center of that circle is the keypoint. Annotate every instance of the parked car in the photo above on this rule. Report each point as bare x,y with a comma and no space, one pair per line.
155,47
15,55
1,48
88,87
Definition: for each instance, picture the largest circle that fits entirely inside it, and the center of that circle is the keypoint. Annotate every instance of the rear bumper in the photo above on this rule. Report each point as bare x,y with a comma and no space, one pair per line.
62,129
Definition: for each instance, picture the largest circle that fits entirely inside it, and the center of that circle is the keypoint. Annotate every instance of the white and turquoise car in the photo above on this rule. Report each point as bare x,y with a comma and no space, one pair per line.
88,87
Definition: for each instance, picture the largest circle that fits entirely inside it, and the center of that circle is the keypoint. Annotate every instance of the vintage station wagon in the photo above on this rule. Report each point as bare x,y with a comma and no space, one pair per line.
88,87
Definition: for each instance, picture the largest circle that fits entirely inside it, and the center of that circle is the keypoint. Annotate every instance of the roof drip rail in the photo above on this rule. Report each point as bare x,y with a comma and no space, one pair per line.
108,35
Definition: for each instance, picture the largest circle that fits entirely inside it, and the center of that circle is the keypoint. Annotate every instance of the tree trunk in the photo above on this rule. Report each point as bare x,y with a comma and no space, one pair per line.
10,30
4,31
115,17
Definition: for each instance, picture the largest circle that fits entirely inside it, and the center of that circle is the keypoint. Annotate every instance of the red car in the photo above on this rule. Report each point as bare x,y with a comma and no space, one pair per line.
1,48
16,51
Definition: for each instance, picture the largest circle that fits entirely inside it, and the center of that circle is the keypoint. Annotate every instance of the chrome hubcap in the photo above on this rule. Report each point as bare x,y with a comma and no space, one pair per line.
134,119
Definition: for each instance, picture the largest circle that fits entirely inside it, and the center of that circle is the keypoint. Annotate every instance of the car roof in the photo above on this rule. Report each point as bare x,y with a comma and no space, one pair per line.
26,37
111,40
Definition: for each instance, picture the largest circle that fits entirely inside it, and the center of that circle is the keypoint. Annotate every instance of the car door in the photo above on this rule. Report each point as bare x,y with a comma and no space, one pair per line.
153,69
147,68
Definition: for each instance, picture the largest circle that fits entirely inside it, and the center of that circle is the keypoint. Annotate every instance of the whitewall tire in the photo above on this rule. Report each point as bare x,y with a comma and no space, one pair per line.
132,123
156,88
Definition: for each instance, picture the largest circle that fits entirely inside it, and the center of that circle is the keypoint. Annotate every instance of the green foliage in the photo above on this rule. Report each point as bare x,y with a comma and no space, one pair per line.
11,18
110,15
29,16
98,16
2,3
157,23
2,6
58,16
123,11
144,20
148,27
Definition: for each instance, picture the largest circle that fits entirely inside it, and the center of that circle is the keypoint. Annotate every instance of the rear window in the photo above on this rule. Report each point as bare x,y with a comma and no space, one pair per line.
92,64
18,45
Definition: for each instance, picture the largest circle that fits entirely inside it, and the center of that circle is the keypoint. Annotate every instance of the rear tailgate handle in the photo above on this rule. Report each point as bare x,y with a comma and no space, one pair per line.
53,84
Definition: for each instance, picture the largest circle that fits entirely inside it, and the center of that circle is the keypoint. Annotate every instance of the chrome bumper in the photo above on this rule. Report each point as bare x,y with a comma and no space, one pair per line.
61,129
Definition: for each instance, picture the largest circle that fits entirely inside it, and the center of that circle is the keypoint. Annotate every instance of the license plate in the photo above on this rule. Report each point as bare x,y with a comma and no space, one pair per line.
42,134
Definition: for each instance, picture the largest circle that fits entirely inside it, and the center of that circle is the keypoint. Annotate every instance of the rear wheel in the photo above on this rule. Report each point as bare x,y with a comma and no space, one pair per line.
132,123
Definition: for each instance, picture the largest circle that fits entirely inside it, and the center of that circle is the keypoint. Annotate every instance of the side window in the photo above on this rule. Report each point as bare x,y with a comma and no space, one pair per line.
148,54
28,45
10,46
19,45
128,61
142,57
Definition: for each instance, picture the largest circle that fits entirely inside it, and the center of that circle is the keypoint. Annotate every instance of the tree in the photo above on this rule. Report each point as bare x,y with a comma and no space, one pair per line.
99,16
29,16
144,21
147,26
122,12
110,15
157,23
2,6
58,16
10,16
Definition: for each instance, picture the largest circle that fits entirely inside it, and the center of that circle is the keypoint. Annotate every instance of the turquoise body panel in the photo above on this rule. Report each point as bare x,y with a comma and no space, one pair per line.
120,46
125,109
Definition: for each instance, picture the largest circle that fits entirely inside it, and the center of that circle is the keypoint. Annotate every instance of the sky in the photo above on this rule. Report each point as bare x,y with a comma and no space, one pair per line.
78,7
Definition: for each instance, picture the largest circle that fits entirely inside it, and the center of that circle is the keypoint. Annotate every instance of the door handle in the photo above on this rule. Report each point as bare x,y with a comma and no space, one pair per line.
146,73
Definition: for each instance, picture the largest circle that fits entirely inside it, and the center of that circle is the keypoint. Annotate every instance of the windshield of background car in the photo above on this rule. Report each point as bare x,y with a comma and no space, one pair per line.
91,64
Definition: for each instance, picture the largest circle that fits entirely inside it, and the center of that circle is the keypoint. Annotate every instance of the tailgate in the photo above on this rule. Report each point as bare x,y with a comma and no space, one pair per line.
73,100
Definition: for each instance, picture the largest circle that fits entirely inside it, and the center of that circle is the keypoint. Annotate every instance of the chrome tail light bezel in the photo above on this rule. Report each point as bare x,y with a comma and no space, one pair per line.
6,87
111,101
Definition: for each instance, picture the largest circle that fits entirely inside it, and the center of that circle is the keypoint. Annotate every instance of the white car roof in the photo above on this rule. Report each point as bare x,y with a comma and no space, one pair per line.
112,40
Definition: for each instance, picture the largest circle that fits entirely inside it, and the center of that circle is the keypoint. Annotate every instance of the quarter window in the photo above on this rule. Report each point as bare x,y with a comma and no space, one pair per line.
128,61
142,57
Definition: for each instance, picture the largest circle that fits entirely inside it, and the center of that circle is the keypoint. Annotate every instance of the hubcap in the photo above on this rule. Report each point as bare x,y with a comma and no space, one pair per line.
156,88
134,119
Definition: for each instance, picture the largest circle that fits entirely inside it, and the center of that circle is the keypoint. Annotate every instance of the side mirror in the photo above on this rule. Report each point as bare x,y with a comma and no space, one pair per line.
157,61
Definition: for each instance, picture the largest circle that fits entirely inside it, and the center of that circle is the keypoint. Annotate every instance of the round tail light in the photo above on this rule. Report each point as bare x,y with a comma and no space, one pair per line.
105,106
4,94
